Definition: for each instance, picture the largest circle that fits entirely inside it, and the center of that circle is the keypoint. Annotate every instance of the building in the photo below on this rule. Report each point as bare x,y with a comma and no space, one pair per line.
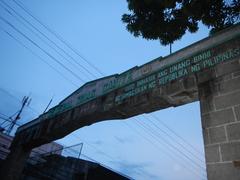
6,140
47,162
58,167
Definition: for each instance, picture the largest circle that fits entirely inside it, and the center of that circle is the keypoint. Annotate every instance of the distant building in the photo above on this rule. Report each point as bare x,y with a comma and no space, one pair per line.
46,162
5,142
50,148
63,168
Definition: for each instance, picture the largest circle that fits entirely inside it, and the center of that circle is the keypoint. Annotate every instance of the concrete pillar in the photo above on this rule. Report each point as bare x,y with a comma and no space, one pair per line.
220,114
14,164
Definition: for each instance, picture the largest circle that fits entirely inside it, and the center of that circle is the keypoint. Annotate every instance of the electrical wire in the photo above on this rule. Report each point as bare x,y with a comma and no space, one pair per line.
5,120
175,148
4,115
39,57
58,37
17,99
177,135
38,46
104,165
169,155
195,170
173,139
21,19
14,0
73,151
181,155
9,120
92,146
19,4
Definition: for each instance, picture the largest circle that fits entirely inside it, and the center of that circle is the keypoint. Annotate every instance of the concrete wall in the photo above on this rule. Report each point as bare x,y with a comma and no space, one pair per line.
220,114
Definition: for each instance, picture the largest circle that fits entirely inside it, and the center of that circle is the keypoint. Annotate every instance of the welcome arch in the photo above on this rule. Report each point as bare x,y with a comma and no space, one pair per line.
208,71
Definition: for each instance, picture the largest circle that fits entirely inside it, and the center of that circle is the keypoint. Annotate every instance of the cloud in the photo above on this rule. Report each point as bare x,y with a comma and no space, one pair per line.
98,142
124,140
135,170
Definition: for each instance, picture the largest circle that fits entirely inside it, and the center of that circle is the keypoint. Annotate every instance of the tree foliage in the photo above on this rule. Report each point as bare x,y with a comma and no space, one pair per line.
168,20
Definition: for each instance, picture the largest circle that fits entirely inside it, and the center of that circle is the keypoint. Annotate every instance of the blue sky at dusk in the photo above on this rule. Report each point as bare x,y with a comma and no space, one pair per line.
95,30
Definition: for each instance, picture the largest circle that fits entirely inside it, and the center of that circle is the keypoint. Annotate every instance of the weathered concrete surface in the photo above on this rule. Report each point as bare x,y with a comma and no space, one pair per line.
220,101
207,71
14,164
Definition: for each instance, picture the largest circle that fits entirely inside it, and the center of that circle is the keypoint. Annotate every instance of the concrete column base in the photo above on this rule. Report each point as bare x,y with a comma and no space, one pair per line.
14,164
220,114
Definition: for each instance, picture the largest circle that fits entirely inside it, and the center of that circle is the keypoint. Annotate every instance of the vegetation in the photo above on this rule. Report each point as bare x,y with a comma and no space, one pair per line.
168,20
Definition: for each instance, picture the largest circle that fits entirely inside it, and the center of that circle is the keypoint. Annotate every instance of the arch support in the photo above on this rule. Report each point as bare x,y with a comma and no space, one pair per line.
220,114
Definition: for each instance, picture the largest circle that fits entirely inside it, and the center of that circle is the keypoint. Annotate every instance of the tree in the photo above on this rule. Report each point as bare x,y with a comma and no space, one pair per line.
168,20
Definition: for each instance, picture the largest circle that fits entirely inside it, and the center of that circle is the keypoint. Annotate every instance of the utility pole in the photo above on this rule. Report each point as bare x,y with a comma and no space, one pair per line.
48,105
170,48
25,102
80,151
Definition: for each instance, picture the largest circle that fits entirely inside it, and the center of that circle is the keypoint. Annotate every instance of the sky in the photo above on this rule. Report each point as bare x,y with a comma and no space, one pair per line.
141,147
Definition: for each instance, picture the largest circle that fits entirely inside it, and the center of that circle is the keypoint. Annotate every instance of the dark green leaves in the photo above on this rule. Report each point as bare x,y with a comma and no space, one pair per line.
168,20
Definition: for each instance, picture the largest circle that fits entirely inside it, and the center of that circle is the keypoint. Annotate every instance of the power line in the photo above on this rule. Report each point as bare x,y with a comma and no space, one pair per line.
17,99
43,60
5,118
102,151
8,120
4,115
92,146
137,132
22,7
63,148
169,155
45,36
74,151
25,102
177,135
170,144
56,44
58,37
168,135
14,97
172,148
35,44
30,14
95,147
104,165
8,33
13,121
